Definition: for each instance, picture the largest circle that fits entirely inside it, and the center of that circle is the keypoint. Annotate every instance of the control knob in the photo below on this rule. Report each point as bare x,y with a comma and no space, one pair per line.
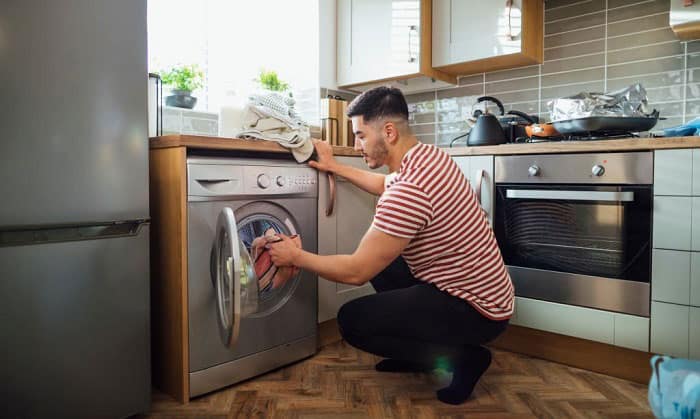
533,170
279,181
598,170
263,181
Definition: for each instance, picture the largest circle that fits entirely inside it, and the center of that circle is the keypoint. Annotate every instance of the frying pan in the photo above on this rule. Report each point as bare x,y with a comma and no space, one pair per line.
607,123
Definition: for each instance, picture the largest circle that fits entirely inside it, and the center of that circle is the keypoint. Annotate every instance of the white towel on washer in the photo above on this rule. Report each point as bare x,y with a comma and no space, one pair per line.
272,117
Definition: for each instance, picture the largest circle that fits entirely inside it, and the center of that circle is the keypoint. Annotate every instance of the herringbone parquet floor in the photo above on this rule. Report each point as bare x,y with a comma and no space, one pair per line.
340,382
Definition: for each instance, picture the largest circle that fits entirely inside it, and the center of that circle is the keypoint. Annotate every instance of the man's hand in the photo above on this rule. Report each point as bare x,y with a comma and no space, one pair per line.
283,252
326,162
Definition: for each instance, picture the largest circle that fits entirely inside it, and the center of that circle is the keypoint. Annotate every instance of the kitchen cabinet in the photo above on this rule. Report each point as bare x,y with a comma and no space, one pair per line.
340,233
673,172
582,322
684,19
669,329
670,276
694,333
631,332
672,221
382,40
695,279
472,36
473,167
564,319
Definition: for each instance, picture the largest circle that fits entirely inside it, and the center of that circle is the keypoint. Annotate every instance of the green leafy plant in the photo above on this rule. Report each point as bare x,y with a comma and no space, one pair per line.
270,81
184,77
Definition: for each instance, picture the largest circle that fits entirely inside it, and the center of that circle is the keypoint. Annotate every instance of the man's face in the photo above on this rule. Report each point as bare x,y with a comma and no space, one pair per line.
369,139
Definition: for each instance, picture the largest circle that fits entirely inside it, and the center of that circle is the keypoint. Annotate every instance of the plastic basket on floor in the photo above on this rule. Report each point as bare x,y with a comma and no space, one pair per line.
674,388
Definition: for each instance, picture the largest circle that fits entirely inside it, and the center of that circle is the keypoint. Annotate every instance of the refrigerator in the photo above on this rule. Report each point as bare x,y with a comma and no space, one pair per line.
74,214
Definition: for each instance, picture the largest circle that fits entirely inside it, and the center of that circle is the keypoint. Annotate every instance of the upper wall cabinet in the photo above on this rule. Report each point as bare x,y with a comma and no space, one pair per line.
685,19
475,36
386,40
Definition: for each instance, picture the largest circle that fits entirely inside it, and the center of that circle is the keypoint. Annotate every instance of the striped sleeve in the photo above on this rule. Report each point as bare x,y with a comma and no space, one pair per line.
403,210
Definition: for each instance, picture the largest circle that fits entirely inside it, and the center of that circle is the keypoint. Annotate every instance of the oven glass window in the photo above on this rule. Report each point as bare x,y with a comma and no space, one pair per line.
601,231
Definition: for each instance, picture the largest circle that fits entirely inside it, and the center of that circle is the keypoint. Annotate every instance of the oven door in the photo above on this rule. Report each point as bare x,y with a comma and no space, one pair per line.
578,244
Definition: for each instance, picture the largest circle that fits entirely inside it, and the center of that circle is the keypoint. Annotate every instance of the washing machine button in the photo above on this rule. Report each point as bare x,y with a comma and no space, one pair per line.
280,181
263,181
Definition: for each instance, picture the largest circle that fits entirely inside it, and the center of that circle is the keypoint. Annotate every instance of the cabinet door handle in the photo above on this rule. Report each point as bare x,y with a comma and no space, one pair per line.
479,181
331,194
411,29
510,5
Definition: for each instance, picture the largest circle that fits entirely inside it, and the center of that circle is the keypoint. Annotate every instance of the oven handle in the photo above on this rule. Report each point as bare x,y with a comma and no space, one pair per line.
570,195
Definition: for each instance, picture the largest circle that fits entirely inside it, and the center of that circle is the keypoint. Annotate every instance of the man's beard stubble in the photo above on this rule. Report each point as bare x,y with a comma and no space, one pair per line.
379,154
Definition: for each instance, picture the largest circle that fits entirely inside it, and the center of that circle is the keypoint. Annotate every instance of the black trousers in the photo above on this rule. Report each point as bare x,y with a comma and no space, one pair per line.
412,320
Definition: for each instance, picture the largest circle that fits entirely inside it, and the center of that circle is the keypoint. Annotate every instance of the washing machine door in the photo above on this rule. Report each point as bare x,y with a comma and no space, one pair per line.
234,278
275,285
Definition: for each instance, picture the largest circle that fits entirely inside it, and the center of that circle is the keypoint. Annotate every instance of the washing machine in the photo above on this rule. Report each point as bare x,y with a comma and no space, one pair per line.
239,328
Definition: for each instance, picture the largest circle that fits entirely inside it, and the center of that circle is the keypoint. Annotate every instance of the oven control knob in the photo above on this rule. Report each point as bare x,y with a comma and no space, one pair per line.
533,170
598,170
279,180
263,181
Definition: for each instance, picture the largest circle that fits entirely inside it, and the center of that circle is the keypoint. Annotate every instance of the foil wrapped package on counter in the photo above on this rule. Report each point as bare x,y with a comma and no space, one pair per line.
628,102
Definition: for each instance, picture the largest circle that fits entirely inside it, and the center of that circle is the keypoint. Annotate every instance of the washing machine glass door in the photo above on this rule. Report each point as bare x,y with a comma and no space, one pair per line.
275,285
234,278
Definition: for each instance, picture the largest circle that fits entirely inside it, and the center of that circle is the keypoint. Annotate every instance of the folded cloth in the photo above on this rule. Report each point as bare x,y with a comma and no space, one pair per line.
272,117
269,276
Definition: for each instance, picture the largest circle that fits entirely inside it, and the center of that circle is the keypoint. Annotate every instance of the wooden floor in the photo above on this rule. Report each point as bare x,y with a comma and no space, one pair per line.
340,382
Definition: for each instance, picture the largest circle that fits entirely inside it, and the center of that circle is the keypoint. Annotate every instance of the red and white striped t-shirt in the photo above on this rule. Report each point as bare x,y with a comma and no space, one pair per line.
452,244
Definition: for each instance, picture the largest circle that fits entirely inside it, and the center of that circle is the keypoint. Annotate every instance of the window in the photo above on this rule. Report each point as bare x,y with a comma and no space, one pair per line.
232,41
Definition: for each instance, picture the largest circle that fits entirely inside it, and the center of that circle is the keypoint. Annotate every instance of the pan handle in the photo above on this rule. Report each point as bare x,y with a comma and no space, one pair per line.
525,116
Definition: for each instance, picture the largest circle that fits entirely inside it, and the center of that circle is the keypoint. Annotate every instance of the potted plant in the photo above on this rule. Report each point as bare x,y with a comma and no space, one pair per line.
270,81
183,79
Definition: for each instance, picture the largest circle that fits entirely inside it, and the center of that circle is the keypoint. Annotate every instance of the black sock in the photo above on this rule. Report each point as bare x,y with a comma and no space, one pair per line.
467,372
398,365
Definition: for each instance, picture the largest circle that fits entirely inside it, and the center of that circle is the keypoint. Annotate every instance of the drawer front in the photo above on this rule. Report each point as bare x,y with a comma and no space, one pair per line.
670,275
669,329
672,220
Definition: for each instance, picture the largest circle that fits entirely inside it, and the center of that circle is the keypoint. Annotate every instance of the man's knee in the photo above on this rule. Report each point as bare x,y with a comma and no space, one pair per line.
351,317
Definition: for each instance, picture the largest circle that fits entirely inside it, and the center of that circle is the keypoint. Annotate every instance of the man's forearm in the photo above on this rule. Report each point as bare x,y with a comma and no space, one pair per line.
336,268
363,179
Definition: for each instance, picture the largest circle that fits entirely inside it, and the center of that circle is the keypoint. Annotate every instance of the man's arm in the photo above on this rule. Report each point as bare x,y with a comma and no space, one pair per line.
374,253
363,179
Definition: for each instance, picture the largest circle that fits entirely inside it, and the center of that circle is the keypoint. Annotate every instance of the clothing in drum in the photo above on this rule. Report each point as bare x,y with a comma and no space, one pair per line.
274,284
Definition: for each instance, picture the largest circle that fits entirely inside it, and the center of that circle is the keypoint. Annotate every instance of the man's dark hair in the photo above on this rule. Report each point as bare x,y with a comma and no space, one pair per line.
380,102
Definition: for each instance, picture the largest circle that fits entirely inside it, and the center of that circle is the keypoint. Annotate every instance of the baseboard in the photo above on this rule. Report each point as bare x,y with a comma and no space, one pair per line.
593,356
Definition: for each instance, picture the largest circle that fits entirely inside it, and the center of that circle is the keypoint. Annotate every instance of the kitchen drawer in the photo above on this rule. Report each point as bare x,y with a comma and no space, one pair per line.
694,336
670,276
695,279
632,332
580,322
672,221
695,220
696,172
669,329
673,172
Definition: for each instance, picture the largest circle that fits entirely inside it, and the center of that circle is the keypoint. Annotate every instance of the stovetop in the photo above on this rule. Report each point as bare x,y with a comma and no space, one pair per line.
589,136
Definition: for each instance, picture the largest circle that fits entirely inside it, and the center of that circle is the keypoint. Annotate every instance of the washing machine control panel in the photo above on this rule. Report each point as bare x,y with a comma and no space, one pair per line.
280,180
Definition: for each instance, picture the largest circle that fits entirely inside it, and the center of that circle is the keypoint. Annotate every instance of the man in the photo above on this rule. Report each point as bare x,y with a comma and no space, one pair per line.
442,287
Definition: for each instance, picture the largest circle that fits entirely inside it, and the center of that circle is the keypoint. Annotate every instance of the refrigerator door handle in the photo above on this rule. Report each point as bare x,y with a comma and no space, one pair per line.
57,233
228,277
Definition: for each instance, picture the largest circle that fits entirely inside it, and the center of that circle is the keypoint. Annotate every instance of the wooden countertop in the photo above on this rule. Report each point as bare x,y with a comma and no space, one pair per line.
234,144
630,144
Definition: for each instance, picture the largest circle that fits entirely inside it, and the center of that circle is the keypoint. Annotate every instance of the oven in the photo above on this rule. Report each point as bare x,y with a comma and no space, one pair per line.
576,228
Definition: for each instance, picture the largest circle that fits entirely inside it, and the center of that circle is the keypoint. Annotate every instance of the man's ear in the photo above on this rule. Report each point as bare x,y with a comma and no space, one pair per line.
391,132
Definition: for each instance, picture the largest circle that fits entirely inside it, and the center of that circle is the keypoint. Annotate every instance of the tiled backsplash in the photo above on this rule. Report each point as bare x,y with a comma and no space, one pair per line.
589,45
